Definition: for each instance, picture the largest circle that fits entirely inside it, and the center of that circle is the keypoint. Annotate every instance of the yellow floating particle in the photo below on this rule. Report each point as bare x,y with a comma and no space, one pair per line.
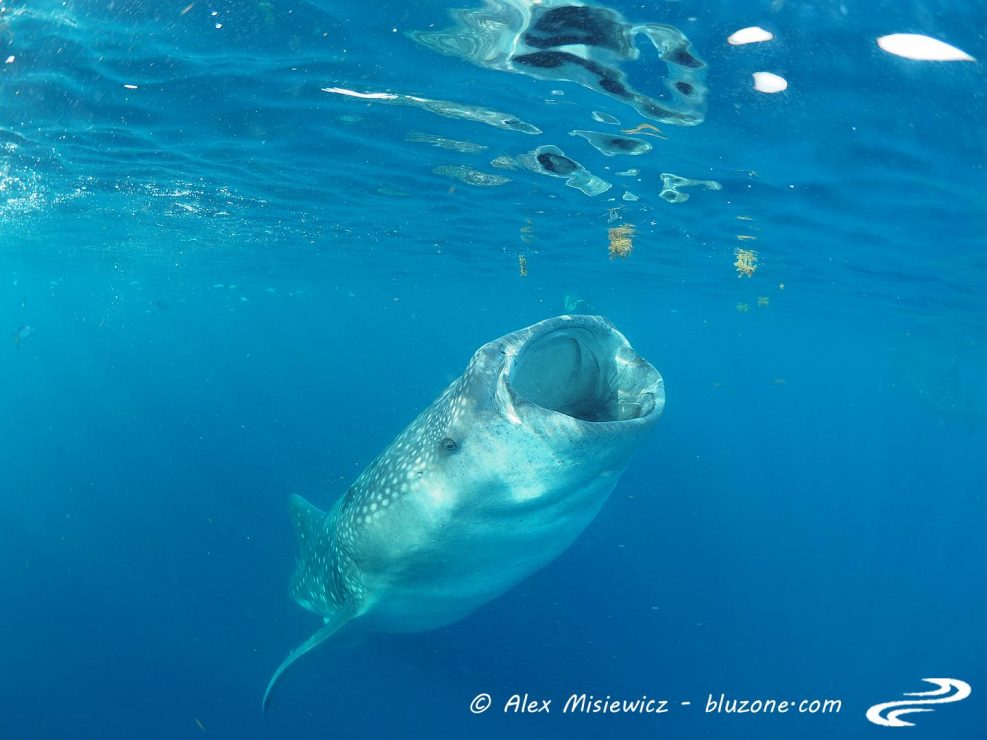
762,300
621,241
743,307
746,237
528,231
746,262
522,264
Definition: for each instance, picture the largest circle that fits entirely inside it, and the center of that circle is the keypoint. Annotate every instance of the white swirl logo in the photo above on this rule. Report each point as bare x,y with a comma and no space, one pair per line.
950,690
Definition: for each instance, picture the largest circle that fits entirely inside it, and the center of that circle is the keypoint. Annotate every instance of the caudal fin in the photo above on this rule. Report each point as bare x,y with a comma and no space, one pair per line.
337,622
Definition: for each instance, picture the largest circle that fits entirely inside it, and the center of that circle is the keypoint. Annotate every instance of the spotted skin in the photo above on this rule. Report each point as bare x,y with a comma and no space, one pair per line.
491,482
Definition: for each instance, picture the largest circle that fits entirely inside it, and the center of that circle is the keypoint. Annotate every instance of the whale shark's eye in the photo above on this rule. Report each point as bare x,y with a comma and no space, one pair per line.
449,444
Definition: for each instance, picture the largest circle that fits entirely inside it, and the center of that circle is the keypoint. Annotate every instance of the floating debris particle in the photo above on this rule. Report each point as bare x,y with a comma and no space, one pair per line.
744,218
746,262
609,145
646,129
671,183
621,241
629,173
522,264
762,301
629,196
743,307
470,176
440,142
746,237
574,303
198,722
21,334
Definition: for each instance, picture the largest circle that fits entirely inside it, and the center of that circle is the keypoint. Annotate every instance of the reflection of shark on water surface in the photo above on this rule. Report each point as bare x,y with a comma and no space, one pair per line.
490,483
21,334
559,40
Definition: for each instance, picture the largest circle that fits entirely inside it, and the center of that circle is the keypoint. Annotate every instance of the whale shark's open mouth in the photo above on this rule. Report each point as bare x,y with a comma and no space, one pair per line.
584,368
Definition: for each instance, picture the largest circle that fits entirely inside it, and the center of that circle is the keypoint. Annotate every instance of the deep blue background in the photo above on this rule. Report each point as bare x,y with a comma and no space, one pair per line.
239,287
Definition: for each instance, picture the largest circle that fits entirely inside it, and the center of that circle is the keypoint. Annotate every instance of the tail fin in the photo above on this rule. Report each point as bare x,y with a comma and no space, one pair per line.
338,620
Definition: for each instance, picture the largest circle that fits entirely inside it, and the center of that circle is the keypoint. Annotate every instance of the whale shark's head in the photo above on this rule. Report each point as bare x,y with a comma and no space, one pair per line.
567,377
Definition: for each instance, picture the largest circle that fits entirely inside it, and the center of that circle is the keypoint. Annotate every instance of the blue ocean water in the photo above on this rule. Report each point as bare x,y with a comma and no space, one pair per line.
222,284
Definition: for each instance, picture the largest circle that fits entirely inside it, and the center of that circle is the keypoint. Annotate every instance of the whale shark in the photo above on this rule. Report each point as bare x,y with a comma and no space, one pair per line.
495,479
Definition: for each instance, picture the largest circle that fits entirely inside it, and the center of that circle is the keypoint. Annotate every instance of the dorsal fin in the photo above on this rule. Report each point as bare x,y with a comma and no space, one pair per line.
307,517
